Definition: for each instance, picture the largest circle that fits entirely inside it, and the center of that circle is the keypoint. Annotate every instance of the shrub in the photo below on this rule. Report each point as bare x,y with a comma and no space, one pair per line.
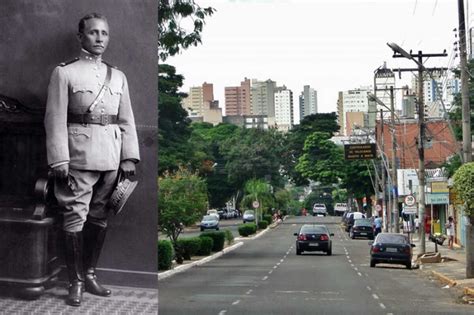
189,246
229,237
268,218
165,254
218,238
206,245
247,229
262,225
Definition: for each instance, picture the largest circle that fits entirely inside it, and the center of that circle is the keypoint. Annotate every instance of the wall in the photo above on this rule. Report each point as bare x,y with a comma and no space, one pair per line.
38,35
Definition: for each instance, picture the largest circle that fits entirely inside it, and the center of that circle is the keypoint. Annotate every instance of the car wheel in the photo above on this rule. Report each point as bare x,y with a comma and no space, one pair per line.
408,265
298,252
351,234
372,263
202,229
217,229
329,252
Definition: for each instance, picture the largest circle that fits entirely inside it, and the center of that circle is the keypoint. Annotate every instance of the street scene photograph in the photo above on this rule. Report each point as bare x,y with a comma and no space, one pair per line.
315,157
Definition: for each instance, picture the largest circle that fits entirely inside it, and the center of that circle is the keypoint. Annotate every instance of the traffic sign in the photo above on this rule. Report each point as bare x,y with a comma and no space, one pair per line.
410,200
255,204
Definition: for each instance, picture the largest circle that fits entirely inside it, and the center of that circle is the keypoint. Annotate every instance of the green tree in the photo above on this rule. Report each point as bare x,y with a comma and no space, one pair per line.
257,190
356,180
455,114
463,184
180,23
295,140
182,200
321,160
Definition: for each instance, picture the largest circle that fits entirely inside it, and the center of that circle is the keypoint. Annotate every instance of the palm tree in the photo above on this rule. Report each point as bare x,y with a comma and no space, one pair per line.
257,190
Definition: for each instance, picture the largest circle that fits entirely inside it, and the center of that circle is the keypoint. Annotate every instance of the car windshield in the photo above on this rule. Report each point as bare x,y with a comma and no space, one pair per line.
249,212
314,229
362,222
208,218
391,238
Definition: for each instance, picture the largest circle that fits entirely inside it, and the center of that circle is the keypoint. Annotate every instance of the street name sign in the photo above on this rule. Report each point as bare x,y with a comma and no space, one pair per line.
364,151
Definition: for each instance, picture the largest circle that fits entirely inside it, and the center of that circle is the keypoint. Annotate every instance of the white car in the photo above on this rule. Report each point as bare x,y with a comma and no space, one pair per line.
214,213
319,208
249,216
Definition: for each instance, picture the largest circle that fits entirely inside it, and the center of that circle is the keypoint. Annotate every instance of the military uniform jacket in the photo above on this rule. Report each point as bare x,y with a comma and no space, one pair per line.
72,89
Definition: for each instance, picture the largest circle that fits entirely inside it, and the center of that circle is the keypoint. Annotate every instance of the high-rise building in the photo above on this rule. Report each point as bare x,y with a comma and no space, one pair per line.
384,78
262,97
201,106
283,108
194,102
357,110
308,102
237,99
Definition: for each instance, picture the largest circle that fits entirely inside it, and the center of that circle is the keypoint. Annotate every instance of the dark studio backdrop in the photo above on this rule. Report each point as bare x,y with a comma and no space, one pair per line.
38,35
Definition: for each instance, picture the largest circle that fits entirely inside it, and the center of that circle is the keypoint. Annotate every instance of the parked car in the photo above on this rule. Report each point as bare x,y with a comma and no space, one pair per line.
319,209
209,222
249,216
222,213
391,248
350,219
313,237
362,228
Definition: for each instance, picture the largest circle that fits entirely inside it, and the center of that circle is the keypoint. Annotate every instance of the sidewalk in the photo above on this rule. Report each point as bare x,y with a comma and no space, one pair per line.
451,270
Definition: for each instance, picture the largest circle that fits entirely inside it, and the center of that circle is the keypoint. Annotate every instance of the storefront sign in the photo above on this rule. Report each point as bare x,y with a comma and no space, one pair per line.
439,187
437,199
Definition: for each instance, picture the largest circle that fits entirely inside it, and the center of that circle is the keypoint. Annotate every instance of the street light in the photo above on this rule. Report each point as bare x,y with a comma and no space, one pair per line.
397,49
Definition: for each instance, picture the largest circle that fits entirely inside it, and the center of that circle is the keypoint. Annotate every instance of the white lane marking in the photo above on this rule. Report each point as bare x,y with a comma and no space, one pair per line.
352,265
348,257
236,302
360,275
369,288
349,260
265,278
375,296
275,267
292,292
382,306
366,274
249,291
293,224
281,260
355,268
222,312
270,272
278,264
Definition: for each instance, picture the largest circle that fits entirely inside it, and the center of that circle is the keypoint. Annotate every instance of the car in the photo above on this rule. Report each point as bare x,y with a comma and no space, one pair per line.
319,209
391,248
362,228
222,213
249,216
349,221
214,213
209,222
312,238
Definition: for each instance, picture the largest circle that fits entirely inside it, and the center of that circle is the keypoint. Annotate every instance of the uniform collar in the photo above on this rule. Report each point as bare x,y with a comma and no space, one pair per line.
85,55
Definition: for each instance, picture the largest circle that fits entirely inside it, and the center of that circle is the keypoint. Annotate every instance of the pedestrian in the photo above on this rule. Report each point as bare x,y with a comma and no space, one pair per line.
450,232
417,224
377,225
90,138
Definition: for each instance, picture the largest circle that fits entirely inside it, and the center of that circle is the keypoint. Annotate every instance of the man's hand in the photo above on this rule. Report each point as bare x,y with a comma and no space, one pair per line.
127,167
60,171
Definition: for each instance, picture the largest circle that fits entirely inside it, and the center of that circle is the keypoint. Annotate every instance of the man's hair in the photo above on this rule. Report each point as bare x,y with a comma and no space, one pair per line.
82,22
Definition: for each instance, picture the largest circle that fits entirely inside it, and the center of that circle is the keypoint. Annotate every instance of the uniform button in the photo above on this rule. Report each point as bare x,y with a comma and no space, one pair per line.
95,68
97,75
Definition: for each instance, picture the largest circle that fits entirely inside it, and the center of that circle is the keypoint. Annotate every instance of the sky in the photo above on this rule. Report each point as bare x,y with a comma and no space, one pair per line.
331,45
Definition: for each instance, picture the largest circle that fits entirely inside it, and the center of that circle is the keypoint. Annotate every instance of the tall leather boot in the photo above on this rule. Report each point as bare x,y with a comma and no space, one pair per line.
94,237
74,246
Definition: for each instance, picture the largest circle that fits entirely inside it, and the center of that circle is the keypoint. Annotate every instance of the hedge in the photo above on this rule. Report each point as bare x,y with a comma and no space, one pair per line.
189,246
268,218
165,254
206,245
218,238
247,229
262,225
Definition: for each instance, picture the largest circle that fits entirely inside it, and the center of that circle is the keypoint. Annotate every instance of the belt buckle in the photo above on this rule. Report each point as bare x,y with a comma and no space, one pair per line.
104,119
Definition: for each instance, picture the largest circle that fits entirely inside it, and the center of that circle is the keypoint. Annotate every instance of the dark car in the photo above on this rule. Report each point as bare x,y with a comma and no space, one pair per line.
312,238
351,217
391,248
362,228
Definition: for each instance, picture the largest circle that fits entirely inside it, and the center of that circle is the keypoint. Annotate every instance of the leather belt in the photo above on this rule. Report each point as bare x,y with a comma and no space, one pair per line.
101,119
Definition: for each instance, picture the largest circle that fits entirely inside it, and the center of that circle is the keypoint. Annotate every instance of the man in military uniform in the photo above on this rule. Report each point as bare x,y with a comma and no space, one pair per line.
90,137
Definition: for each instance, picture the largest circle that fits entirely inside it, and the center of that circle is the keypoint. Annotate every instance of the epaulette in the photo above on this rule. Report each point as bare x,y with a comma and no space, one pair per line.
62,64
108,64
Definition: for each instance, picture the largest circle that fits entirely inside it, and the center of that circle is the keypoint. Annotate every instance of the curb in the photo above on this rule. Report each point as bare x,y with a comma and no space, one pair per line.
181,268
469,291
444,279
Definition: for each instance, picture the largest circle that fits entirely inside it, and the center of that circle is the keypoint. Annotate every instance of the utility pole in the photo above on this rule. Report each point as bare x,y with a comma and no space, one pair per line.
466,132
418,59
384,208
394,165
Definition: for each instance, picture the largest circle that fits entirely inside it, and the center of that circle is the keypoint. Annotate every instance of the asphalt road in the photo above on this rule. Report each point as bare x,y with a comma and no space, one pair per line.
264,276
